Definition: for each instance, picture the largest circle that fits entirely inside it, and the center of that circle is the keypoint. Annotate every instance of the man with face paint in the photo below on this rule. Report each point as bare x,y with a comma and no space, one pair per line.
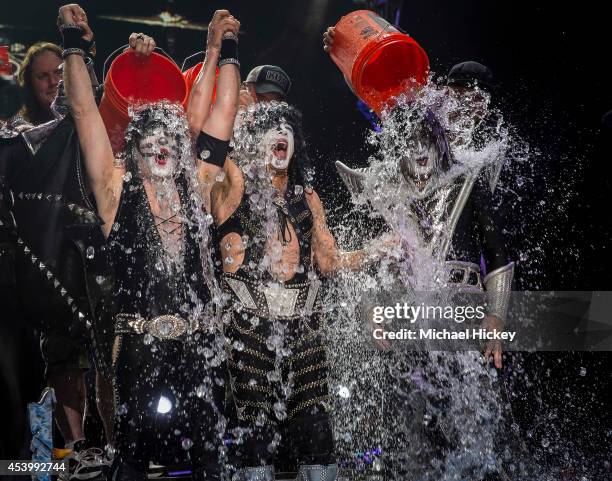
273,240
155,320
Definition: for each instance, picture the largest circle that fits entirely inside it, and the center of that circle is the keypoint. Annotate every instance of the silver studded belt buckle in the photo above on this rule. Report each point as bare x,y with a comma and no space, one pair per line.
165,327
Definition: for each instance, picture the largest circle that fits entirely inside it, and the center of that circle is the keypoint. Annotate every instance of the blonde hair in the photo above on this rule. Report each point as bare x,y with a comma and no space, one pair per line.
32,111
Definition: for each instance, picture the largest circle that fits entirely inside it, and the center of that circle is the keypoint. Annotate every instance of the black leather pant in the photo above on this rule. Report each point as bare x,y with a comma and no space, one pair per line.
301,425
167,407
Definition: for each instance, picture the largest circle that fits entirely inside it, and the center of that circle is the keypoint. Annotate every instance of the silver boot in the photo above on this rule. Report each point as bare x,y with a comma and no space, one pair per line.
260,473
317,472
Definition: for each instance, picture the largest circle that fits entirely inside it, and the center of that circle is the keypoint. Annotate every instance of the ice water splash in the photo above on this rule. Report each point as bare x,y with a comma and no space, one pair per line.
178,199
434,415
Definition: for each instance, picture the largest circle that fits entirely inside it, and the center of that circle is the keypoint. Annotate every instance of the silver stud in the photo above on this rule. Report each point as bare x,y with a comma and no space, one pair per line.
74,308
41,266
55,283
49,275
69,300
20,195
63,292
58,198
19,241
26,249
39,196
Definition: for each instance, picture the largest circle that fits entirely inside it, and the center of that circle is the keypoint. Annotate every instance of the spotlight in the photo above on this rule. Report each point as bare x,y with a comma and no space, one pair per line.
164,405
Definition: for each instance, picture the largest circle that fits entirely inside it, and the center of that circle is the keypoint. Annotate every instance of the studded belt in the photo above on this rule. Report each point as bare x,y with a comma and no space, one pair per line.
162,327
274,299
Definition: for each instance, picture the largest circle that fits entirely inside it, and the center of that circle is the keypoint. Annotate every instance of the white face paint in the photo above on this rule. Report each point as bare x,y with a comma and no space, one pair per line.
279,145
159,153
420,160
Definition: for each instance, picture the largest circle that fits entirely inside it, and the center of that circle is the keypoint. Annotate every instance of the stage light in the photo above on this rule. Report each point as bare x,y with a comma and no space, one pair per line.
164,406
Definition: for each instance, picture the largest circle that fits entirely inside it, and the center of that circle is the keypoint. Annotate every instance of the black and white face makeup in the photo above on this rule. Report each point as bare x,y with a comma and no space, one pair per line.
159,152
420,160
279,146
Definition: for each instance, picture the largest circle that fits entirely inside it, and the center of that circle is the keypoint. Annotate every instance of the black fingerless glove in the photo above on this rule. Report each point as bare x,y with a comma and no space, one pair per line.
211,150
72,38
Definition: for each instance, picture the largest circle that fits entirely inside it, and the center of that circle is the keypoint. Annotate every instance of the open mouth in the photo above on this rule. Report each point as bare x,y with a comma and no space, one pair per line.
280,148
422,161
162,157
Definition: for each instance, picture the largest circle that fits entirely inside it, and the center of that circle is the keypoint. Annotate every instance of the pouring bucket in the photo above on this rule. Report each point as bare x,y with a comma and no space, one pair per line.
376,59
133,79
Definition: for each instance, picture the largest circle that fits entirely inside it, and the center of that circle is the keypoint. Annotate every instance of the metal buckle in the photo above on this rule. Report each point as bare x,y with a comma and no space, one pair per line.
167,327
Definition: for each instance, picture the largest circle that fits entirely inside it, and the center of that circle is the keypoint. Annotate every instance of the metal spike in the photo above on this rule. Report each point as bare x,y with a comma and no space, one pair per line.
56,283
26,249
69,300
74,308
49,275
63,292
41,266
20,195
19,241
39,196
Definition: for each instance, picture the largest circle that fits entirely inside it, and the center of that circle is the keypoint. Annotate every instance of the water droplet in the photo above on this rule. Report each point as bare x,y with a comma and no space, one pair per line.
299,189
127,176
201,391
147,339
344,392
280,410
187,444
545,442
583,371
239,346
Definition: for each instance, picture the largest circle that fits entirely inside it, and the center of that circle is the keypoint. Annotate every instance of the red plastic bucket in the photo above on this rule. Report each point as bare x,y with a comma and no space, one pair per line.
191,76
133,79
379,61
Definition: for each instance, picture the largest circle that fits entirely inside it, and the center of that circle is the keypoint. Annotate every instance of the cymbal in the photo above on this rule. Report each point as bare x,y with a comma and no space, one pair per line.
164,19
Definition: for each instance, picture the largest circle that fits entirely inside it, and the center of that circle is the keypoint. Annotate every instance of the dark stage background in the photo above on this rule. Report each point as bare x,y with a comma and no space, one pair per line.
552,63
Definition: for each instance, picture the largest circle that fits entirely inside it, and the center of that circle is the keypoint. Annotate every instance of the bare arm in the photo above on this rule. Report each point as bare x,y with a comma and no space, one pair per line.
96,147
328,258
219,121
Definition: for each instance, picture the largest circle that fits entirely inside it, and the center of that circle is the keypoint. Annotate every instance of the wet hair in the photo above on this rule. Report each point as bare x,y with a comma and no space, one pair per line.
265,115
32,111
148,116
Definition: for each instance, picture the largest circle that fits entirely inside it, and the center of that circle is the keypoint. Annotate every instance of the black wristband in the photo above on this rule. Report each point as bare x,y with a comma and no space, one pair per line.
71,36
211,150
229,50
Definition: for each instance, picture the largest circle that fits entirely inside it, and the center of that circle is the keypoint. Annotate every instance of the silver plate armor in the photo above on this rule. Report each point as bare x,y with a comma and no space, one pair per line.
498,284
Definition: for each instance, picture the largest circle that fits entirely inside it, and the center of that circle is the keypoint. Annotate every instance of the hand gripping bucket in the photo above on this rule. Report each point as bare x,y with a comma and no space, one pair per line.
133,79
376,59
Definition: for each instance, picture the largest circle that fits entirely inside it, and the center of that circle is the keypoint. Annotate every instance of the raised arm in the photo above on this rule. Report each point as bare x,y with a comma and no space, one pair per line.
219,121
213,127
95,145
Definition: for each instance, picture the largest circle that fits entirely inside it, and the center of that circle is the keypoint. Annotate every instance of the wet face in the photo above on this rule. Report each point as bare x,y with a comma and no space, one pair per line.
46,74
159,153
279,146
420,160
